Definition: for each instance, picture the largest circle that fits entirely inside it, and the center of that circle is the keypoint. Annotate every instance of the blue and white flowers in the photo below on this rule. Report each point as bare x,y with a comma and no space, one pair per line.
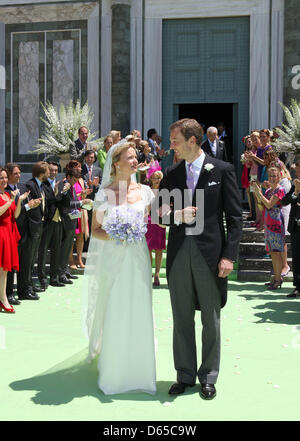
125,225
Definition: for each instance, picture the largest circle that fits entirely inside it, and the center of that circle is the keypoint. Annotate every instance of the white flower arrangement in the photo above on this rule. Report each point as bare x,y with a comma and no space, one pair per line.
289,138
209,167
61,128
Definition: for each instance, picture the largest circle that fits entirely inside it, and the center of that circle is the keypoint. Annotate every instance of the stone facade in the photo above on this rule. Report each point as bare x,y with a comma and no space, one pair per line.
291,51
116,60
120,68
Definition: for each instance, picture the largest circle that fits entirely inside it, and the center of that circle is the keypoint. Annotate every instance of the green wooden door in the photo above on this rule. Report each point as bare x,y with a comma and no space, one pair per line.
207,61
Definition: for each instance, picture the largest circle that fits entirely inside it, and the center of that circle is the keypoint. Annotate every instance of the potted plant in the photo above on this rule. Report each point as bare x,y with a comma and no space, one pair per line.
289,136
61,130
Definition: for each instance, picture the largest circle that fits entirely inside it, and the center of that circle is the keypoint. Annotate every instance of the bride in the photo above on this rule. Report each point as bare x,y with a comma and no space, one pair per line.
118,298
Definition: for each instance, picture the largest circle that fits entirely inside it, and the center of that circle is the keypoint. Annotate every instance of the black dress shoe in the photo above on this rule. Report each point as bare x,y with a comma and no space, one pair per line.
44,284
37,289
179,388
56,283
70,276
65,280
295,293
12,300
28,296
208,391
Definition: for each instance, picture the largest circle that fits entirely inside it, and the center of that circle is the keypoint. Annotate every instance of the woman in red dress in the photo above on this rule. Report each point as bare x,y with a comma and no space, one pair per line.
9,236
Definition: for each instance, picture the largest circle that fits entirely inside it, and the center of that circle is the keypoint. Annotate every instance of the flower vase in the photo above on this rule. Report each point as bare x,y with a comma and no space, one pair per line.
64,158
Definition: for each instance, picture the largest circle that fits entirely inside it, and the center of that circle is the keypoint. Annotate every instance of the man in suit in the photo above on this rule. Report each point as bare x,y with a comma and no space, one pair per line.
199,259
34,218
213,146
92,175
14,175
293,198
78,150
52,232
68,203
226,138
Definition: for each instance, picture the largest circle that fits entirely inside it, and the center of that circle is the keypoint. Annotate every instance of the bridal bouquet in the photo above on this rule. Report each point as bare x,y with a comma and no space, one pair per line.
125,225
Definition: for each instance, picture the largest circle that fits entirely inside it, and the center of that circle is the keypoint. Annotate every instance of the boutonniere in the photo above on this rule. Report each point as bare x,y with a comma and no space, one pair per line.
209,167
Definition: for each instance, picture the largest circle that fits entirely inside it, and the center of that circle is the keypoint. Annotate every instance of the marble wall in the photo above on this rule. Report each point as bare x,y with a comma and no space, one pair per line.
29,106
67,60
62,79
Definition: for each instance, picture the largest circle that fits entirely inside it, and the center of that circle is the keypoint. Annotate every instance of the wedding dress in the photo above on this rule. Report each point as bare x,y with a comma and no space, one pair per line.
118,315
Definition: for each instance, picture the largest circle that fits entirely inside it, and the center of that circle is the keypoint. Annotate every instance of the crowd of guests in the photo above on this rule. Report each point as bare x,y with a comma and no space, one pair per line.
273,199
49,215
46,214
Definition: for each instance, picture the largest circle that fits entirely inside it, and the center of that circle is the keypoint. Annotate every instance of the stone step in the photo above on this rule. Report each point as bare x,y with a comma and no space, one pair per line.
259,276
257,264
252,235
256,249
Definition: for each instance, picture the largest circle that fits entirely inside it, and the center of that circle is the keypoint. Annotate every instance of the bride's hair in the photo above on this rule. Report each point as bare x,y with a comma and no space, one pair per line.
116,155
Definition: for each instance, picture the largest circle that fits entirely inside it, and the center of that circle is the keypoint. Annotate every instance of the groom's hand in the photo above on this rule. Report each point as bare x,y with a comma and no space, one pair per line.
187,215
225,267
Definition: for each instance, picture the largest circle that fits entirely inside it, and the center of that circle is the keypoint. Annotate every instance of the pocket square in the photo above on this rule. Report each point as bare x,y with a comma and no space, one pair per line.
213,183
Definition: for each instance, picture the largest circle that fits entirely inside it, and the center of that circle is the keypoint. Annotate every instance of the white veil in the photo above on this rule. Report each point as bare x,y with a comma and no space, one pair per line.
95,284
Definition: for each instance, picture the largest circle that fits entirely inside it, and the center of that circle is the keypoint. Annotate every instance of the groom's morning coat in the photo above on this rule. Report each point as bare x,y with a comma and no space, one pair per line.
221,195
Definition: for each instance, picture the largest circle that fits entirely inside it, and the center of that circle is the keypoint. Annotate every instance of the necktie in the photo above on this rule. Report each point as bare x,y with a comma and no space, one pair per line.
190,178
90,173
213,148
43,202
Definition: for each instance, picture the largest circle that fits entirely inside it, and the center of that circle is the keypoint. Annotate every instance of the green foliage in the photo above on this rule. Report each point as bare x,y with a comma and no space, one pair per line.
61,128
289,136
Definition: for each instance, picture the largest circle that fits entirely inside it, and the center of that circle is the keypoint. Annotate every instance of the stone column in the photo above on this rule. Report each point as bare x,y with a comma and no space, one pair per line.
120,67
291,51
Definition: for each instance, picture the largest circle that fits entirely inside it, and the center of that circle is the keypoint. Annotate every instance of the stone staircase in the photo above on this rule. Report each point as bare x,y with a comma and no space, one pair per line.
254,265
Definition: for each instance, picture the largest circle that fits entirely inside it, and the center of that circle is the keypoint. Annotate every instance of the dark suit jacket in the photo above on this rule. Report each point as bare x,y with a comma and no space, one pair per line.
50,201
76,151
295,209
221,196
66,204
96,172
221,150
35,215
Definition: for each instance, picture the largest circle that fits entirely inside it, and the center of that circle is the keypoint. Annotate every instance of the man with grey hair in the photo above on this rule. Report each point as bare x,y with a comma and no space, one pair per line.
213,146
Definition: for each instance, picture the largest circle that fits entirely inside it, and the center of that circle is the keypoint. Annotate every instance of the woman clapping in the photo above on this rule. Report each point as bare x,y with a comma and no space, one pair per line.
9,236
273,222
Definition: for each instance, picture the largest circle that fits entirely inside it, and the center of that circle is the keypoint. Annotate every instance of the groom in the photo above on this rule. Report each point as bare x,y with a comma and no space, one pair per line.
199,260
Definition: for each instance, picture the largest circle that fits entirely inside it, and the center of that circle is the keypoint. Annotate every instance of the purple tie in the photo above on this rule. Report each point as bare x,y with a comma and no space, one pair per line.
190,178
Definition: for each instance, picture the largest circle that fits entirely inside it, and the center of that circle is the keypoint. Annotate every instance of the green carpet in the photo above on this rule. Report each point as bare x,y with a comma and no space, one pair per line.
44,375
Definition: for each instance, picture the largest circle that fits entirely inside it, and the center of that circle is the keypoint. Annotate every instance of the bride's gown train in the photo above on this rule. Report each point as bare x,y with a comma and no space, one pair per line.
119,318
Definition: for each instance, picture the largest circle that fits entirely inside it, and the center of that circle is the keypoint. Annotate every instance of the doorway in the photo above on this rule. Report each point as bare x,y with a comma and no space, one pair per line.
210,115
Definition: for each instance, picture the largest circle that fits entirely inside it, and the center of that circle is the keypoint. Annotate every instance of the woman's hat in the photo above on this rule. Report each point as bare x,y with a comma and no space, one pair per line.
153,168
